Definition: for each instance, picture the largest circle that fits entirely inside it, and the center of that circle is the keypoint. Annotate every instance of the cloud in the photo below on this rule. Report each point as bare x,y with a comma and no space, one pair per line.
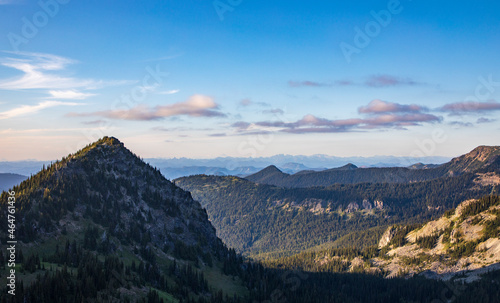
274,111
69,94
484,120
471,107
30,109
313,124
195,106
241,125
382,115
306,84
247,102
387,81
378,107
218,135
95,122
372,81
170,92
42,71
461,124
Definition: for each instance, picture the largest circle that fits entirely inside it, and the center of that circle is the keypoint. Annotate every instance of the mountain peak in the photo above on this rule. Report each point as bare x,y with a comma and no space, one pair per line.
479,157
271,169
348,166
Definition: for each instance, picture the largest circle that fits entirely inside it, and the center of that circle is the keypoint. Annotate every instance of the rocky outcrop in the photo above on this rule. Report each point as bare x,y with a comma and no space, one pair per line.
387,236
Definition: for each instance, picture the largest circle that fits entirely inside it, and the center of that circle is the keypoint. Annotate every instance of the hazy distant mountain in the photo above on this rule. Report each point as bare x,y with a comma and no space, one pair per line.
180,167
476,159
7,181
24,168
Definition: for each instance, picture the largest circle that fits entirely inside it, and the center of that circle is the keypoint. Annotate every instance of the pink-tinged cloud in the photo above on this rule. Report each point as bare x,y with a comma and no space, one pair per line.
471,107
387,81
313,124
382,107
195,106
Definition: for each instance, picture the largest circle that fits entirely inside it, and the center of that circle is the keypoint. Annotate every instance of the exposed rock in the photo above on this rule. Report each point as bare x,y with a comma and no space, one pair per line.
378,204
352,207
387,236
367,204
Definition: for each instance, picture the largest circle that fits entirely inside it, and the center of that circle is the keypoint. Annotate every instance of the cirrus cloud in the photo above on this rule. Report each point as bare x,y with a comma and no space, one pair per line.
31,109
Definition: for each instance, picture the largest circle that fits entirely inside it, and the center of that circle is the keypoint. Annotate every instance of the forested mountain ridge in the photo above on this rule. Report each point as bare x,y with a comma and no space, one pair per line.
479,158
256,218
462,244
102,225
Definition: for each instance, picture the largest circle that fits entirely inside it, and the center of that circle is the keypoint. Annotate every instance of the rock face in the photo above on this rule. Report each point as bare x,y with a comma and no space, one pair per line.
352,207
378,204
464,240
367,204
387,236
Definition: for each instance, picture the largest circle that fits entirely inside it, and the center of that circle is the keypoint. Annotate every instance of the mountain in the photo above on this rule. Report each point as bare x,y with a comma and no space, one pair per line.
103,226
24,168
9,180
478,158
262,220
463,240
463,244
422,166
111,228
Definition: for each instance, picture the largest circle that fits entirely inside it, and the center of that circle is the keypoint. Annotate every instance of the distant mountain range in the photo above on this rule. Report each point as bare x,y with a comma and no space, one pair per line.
7,181
241,167
351,174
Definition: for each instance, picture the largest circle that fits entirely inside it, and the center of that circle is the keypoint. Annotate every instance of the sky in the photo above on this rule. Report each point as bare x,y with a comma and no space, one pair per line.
204,79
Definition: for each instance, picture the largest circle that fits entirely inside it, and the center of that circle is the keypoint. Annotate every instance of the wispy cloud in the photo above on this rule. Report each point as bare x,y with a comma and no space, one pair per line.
471,107
485,120
30,109
170,92
460,124
388,81
274,111
69,94
379,107
195,106
44,71
306,84
247,102
377,81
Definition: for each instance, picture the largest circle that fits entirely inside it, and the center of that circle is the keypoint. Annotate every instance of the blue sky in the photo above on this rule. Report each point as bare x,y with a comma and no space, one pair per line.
202,79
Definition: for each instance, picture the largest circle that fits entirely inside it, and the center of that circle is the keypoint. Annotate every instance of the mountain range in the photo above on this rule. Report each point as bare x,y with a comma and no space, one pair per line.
351,174
262,220
101,225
